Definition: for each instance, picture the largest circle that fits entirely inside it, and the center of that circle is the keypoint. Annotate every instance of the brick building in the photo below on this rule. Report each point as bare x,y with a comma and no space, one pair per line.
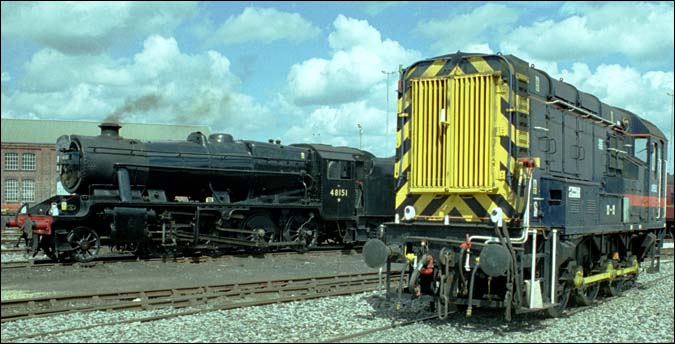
28,153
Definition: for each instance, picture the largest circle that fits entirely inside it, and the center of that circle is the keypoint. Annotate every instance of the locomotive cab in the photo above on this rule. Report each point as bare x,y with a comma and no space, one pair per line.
339,188
342,173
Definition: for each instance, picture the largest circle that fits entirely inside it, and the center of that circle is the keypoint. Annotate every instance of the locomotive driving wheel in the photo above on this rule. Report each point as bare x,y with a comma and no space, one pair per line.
585,295
46,243
263,226
85,244
302,229
563,291
615,287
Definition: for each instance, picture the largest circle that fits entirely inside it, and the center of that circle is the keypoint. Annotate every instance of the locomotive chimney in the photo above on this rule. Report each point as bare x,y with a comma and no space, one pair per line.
110,129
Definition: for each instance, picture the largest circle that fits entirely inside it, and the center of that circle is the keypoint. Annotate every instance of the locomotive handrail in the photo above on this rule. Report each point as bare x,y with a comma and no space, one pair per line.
578,109
444,240
126,151
251,171
153,153
570,180
616,150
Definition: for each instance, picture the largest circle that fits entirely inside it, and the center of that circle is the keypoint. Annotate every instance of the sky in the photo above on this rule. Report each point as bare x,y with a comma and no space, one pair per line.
311,71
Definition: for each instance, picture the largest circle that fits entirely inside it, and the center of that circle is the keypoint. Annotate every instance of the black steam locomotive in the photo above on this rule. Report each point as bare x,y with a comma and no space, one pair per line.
517,191
206,193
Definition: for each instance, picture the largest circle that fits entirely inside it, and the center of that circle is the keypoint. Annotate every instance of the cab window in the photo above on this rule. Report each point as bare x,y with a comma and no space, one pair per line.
339,169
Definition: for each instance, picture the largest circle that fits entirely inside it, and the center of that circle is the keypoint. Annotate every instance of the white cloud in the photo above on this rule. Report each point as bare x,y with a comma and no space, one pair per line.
159,54
358,56
338,126
461,31
347,89
376,7
90,27
266,25
482,48
160,84
641,31
6,77
49,70
625,87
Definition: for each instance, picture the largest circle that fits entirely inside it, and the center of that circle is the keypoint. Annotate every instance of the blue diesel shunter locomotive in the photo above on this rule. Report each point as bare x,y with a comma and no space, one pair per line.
518,191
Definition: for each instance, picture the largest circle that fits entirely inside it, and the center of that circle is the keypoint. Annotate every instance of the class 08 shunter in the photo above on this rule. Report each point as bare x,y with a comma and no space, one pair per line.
516,190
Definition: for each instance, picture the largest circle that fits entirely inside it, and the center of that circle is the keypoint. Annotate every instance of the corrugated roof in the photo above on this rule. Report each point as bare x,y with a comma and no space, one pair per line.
47,131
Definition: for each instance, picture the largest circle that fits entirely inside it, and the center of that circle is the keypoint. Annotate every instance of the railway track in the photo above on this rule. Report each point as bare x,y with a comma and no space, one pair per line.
667,251
214,297
498,335
380,329
29,264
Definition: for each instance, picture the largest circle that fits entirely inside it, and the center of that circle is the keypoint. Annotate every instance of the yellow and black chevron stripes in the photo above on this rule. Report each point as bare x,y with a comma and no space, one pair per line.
468,208
510,139
480,65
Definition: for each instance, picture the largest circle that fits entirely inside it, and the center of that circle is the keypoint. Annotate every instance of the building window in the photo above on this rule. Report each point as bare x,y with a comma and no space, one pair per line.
11,161
28,190
28,161
11,190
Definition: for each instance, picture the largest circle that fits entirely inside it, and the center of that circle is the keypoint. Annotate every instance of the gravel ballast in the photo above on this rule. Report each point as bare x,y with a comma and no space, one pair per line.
639,315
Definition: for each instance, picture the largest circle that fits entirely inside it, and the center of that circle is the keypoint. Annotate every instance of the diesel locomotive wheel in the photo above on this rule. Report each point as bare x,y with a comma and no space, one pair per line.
585,296
563,293
615,287
302,229
85,244
263,225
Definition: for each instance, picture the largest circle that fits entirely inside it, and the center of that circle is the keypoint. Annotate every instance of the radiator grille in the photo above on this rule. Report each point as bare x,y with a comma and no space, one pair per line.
453,134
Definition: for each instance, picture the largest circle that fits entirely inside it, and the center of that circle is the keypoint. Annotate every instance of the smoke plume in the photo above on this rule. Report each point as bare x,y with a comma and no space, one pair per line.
144,103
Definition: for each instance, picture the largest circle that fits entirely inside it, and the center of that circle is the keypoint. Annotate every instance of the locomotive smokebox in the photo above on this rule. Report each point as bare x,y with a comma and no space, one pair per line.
110,129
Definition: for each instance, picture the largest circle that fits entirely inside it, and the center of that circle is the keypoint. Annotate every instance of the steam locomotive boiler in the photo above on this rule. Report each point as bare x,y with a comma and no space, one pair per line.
207,193
217,166
518,191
